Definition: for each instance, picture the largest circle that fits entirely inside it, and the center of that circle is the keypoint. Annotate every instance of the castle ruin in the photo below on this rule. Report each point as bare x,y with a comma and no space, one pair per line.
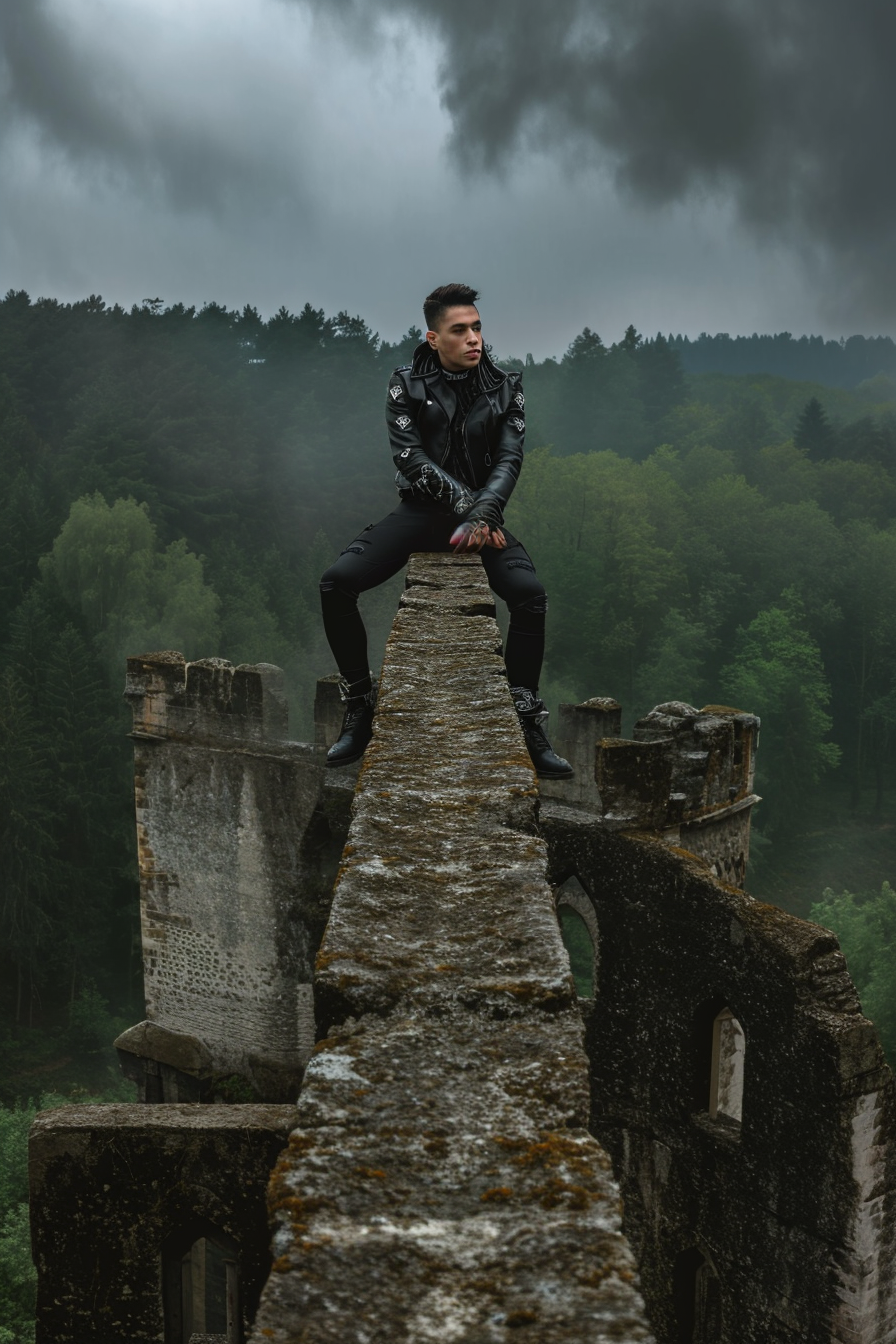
361,1024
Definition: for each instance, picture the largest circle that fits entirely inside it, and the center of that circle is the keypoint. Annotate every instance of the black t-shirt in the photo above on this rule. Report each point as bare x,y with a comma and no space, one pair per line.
466,388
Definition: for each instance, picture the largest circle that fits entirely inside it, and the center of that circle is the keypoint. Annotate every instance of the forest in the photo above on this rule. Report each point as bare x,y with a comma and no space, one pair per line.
175,477
843,363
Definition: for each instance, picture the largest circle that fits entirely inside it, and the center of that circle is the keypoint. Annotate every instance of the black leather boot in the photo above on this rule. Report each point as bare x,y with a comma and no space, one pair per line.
359,699
532,714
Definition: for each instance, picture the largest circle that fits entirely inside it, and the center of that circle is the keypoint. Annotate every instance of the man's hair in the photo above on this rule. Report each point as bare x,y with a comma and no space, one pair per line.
446,296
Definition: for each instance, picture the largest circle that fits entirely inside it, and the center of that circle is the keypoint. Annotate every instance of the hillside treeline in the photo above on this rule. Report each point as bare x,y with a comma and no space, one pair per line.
179,478
843,363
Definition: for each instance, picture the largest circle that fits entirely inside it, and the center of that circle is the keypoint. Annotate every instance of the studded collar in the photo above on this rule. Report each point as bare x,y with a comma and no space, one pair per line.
425,364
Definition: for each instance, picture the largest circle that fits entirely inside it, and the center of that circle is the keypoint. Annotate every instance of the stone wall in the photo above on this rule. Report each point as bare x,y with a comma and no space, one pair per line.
442,1182
231,827
239,832
119,1194
769,1197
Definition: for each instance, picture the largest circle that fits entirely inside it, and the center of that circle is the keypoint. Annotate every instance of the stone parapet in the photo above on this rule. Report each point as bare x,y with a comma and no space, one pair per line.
712,753
442,1181
207,700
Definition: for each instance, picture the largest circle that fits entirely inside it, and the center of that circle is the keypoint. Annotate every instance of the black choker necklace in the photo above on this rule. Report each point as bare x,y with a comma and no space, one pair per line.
455,377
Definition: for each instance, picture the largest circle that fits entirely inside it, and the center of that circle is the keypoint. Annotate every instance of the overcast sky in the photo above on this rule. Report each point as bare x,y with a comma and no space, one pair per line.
686,165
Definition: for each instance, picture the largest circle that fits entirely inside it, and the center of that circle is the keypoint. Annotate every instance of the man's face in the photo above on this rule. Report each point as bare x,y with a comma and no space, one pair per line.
457,339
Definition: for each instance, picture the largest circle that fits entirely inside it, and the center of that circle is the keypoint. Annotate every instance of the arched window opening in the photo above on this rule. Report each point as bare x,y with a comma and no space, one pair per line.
201,1285
726,1078
578,929
577,941
718,1056
697,1298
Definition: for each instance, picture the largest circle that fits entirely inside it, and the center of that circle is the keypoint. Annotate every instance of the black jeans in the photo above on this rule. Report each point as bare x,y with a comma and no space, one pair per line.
383,548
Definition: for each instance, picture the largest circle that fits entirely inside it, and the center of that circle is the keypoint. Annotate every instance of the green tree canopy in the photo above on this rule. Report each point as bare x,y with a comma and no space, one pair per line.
865,924
777,673
133,595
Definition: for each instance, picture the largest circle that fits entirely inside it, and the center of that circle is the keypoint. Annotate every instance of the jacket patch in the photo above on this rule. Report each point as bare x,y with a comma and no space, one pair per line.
517,423
395,391
520,400
403,421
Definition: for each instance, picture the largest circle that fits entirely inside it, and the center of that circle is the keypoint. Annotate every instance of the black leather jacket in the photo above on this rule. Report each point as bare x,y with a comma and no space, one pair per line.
420,406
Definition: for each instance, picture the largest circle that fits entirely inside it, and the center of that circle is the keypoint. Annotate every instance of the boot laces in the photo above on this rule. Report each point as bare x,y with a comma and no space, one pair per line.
354,710
534,731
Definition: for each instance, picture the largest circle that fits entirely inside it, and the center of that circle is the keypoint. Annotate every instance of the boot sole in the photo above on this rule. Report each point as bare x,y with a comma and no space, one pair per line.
344,760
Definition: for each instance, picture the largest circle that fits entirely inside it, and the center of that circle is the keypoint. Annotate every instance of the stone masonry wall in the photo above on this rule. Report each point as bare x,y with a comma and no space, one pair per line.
442,1182
116,1188
792,1207
232,906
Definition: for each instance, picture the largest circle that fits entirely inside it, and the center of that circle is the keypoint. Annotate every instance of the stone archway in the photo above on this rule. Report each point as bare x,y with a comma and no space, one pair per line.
579,930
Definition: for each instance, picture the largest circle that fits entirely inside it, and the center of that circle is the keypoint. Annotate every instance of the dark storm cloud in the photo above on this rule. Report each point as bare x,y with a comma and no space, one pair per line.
785,107
84,105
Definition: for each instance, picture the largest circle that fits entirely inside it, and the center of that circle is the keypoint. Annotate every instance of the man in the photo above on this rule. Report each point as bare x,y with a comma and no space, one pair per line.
456,428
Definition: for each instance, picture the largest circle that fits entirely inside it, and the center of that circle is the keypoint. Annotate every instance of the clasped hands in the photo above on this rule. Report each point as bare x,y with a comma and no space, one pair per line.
474,536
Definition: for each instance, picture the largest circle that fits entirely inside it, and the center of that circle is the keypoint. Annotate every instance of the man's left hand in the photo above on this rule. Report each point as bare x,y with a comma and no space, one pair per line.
471,536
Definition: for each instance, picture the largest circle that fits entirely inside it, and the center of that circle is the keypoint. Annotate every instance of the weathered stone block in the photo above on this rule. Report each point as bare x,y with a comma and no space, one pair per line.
444,813
441,1177
165,1065
154,682
576,735
634,781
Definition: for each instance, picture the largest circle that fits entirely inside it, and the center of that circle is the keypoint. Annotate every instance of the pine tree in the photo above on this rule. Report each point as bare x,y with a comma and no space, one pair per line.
814,432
